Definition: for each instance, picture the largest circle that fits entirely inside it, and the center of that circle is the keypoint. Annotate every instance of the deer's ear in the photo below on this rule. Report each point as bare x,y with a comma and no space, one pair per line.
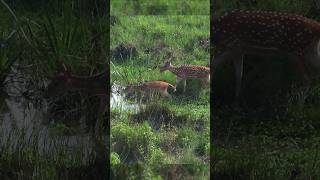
168,62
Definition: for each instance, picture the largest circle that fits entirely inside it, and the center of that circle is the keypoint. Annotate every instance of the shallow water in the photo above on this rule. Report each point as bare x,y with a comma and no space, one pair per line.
118,101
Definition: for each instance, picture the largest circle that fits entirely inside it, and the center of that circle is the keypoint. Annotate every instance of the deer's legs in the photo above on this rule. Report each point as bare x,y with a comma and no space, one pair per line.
149,94
184,85
205,82
223,57
208,79
178,80
238,65
165,93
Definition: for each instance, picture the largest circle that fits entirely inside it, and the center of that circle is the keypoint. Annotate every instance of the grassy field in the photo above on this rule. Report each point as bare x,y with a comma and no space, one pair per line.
274,134
169,137
160,7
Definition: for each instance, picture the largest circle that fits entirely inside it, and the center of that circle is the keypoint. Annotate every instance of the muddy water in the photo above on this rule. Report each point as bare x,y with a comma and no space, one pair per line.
21,115
118,100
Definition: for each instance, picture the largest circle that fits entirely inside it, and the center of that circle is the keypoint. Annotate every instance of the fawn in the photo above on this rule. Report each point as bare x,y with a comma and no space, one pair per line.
184,72
148,87
262,32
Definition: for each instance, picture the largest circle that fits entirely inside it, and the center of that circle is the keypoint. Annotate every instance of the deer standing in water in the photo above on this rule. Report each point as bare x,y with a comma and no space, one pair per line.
184,72
93,85
148,87
262,33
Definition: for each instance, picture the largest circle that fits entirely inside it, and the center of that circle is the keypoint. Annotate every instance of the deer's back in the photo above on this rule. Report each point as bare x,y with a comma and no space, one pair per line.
156,85
289,32
192,71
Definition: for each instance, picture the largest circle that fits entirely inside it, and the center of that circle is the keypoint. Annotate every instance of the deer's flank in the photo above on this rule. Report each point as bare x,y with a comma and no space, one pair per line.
261,32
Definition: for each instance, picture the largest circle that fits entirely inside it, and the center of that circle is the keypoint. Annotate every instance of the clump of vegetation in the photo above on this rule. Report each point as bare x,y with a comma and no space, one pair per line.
157,9
159,116
114,20
135,143
124,51
200,41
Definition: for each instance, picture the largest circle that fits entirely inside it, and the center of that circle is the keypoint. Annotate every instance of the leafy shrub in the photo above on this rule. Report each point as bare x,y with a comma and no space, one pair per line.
133,143
124,51
186,137
115,159
159,115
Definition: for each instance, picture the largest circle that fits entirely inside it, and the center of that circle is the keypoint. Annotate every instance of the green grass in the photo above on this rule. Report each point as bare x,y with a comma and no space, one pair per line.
168,136
252,144
173,33
160,7
162,135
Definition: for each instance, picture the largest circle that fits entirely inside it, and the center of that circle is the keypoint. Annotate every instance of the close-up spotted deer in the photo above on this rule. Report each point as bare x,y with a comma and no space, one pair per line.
262,33
148,87
184,72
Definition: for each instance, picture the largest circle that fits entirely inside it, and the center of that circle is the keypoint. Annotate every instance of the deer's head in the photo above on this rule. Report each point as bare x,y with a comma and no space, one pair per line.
167,62
166,66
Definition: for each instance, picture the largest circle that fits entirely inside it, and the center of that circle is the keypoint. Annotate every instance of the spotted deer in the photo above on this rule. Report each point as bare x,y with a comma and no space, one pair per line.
184,72
148,87
93,85
261,33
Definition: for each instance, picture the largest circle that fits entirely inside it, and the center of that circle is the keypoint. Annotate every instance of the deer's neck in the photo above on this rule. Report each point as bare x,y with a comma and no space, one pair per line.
174,69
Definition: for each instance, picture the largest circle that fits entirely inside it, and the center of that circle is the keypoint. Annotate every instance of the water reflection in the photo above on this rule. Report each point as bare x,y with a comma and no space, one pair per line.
22,121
